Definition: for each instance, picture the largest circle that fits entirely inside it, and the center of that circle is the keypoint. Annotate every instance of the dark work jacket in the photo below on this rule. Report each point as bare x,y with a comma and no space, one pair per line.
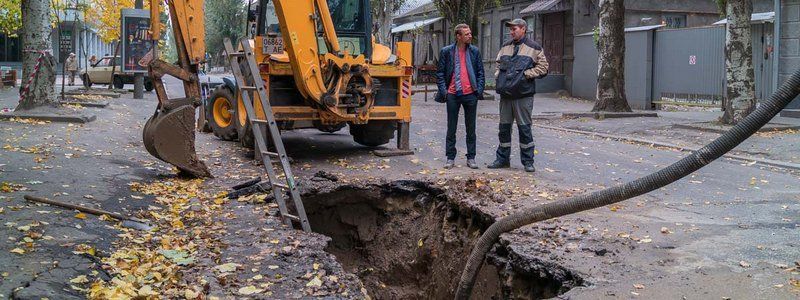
444,71
516,73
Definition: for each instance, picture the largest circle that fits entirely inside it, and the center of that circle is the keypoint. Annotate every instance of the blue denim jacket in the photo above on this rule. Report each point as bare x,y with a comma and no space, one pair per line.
444,71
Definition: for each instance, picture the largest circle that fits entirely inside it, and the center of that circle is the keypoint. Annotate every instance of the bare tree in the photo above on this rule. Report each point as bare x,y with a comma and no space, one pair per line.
382,12
36,56
740,92
463,11
611,58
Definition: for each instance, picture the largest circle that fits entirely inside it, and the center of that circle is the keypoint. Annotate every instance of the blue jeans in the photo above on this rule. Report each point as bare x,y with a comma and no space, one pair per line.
454,104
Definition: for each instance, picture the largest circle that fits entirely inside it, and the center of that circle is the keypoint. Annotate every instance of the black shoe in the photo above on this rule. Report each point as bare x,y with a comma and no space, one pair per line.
497,164
530,168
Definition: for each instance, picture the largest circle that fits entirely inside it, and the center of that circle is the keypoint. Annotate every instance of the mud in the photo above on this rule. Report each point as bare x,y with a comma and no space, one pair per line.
411,239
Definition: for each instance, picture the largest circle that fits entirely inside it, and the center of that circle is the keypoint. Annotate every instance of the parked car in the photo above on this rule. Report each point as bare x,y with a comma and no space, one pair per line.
100,73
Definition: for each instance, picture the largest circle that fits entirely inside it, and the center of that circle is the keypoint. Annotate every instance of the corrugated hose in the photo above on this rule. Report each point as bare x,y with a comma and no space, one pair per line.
729,140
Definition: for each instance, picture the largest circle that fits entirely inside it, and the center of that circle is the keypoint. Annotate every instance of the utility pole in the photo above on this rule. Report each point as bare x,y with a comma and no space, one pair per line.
138,78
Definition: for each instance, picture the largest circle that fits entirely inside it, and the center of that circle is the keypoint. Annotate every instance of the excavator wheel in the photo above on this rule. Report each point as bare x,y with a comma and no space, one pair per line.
243,128
374,133
221,116
169,136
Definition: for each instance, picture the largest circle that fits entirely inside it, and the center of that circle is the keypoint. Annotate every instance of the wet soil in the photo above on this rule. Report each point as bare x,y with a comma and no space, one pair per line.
411,239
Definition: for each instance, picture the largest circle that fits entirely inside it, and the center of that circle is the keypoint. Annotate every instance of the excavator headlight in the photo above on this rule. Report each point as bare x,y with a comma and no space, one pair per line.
409,70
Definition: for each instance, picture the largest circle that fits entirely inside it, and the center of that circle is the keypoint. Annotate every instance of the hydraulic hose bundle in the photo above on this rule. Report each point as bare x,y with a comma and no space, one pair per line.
736,135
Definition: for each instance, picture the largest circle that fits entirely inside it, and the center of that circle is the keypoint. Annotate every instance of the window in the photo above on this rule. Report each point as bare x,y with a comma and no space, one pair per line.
486,40
348,20
503,31
674,21
103,62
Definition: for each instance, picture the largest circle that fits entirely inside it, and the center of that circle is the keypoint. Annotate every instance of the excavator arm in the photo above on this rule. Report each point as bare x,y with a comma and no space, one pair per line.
169,133
325,79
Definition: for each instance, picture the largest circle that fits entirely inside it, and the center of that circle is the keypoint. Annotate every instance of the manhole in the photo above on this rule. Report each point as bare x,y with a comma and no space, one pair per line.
407,240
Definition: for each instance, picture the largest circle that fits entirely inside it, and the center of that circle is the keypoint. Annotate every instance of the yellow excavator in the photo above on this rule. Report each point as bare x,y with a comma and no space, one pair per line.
321,68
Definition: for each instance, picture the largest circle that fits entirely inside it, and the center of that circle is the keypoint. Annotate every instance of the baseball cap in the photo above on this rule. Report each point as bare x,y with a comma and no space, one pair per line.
517,22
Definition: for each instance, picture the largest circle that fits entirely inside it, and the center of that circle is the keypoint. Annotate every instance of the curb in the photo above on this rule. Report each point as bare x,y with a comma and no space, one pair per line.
100,104
52,118
608,115
703,126
761,161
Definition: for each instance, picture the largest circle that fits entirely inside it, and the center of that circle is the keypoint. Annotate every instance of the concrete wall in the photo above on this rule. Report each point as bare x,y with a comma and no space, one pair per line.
789,42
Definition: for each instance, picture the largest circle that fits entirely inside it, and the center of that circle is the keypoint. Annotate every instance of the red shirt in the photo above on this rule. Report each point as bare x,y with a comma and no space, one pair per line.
466,86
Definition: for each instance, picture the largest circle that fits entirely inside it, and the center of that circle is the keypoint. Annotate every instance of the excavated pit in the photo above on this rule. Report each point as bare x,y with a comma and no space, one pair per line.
407,240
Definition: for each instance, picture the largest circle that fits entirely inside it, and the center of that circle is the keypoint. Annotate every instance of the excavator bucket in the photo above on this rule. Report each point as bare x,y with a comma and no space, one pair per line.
169,136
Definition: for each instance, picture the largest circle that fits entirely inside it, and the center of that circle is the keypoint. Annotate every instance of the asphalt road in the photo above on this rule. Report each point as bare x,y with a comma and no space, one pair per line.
731,228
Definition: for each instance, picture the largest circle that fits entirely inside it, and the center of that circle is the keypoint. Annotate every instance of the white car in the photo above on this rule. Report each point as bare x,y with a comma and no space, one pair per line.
100,73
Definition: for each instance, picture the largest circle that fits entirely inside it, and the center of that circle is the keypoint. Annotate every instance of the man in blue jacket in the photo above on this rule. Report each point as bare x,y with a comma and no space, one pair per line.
460,78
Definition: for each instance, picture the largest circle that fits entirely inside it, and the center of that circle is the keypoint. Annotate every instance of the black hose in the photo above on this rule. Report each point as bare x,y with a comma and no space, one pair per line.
736,135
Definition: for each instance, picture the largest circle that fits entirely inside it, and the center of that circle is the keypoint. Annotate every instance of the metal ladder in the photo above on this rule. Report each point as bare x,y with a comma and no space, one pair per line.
256,124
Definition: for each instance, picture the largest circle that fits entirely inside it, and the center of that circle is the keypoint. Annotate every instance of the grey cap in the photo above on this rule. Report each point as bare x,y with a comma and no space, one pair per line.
517,22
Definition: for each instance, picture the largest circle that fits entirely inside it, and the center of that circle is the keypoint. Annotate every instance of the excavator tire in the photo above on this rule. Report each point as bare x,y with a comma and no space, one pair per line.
221,116
374,133
328,128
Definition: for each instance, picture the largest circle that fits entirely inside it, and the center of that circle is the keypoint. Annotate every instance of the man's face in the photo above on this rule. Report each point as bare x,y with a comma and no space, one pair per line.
465,36
516,32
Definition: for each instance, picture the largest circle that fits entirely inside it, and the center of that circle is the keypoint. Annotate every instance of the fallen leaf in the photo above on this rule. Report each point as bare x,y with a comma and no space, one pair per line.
639,286
190,294
181,258
744,264
81,216
249,290
80,279
229,267
314,282
17,251
665,230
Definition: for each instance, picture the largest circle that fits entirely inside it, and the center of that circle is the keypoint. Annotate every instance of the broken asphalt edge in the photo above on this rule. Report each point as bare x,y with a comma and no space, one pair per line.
761,161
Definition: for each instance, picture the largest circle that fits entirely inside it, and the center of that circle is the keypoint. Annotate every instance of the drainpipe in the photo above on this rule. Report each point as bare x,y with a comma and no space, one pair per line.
776,54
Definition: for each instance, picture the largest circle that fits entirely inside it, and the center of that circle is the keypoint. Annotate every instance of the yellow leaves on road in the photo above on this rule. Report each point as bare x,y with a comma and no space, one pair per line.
147,264
8,187
81,216
17,251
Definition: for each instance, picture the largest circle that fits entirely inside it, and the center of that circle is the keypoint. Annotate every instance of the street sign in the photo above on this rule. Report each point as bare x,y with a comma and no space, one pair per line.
138,48
65,43
692,59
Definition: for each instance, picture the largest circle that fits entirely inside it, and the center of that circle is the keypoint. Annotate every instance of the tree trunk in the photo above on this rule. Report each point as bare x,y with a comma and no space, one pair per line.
611,58
35,39
740,92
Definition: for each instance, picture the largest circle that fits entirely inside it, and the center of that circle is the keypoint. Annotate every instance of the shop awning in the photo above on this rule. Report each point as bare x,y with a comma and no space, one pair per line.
414,25
545,6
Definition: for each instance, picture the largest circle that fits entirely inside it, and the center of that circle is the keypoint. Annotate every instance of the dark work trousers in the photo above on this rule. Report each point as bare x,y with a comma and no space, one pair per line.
518,110
454,103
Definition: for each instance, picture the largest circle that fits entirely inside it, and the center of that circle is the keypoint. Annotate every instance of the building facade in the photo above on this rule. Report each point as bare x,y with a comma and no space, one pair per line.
70,36
552,23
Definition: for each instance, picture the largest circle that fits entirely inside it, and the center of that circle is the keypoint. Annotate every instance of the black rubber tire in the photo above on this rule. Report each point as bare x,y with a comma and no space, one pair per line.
243,131
216,100
328,128
148,86
374,133
87,83
118,83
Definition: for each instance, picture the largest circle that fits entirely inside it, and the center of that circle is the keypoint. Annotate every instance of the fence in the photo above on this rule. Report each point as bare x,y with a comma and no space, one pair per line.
674,66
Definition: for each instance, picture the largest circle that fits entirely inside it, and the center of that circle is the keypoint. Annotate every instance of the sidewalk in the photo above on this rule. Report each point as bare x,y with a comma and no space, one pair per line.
778,146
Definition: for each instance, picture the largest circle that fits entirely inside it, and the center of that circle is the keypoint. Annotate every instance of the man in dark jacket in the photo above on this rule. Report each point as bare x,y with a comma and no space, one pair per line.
519,62
460,78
